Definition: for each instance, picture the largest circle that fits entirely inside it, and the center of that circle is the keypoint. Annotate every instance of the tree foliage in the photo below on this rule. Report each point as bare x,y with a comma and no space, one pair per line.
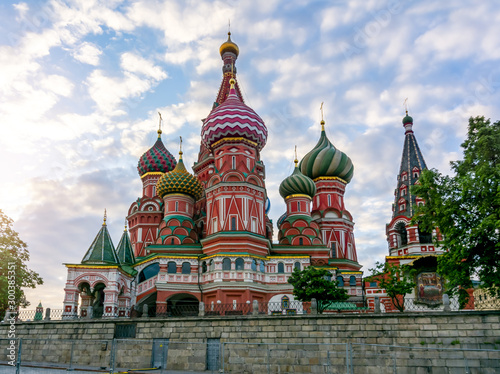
395,279
316,283
14,273
466,209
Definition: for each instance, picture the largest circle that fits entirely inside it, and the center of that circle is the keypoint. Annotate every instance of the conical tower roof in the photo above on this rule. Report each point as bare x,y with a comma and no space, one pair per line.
102,250
124,250
412,164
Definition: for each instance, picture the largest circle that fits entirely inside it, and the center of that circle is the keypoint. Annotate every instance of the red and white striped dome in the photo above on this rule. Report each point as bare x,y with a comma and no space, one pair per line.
234,119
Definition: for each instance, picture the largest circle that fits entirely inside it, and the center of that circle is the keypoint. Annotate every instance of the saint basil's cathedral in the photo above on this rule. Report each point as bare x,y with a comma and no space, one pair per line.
206,237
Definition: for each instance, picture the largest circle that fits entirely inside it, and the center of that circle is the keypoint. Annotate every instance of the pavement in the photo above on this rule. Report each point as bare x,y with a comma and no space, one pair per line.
7,369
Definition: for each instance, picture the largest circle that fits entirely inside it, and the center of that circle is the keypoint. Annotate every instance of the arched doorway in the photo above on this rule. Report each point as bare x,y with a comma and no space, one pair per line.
150,301
183,305
98,300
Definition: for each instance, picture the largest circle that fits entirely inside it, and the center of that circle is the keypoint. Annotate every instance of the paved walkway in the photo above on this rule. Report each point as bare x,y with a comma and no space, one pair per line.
6,369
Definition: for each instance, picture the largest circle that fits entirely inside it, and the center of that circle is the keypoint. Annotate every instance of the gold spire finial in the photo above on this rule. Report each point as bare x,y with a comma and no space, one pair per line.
180,148
296,161
405,104
159,125
322,120
125,225
105,216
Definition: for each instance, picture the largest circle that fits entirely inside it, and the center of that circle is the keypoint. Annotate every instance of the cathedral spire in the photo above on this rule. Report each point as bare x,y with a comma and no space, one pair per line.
412,164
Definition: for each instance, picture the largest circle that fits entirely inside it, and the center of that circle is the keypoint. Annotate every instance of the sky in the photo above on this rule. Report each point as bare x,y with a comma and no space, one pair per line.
81,82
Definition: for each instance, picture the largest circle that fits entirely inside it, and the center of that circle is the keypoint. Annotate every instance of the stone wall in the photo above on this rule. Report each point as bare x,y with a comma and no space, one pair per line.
91,341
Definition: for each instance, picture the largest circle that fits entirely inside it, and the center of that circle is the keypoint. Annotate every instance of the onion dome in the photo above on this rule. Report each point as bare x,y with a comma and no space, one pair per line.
297,183
324,160
407,119
179,180
156,159
234,119
229,46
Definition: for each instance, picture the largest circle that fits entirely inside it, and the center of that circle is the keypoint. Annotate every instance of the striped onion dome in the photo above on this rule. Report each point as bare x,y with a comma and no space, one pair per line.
297,183
179,180
156,159
233,119
324,160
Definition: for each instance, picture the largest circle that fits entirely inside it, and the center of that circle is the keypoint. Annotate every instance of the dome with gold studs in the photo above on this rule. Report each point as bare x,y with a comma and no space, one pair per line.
179,180
229,46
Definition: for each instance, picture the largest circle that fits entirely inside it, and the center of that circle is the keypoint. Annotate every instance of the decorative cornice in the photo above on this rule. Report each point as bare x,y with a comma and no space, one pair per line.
234,140
152,173
329,178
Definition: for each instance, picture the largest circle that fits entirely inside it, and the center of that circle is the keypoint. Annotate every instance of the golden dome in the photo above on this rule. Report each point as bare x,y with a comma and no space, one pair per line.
229,46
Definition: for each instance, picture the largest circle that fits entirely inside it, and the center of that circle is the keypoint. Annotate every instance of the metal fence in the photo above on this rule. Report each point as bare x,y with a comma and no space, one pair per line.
216,356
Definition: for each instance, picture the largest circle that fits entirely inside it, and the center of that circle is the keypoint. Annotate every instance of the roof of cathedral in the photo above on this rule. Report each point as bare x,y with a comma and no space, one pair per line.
179,180
297,183
124,250
234,119
412,164
156,159
324,160
102,249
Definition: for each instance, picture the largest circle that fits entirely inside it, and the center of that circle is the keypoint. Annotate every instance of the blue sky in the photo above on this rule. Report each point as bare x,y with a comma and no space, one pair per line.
81,83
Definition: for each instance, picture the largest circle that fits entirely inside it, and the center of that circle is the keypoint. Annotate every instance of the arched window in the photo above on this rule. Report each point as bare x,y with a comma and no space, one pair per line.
204,267
254,265
149,272
176,206
425,237
233,223
233,162
301,241
211,265
226,264
296,266
281,267
329,200
298,206
352,280
186,268
171,268
340,281
285,302
262,267
402,234
239,264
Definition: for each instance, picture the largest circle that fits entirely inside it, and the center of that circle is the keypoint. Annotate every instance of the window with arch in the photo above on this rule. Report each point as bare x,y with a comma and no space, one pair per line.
296,266
204,267
239,264
301,241
424,237
262,267
298,206
154,190
176,206
352,280
186,268
285,302
233,223
226,264
149,272
211,265
402,206
329,200
233,162
254,265
340,281
171,267
172,241
402,235
404,176
403,191
281,267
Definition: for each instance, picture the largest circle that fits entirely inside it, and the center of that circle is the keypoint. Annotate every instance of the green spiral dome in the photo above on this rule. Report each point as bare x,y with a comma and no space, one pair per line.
297,183
179,180
324,160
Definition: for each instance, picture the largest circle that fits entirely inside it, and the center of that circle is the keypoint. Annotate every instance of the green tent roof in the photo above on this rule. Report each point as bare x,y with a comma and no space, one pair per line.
124,250
102,249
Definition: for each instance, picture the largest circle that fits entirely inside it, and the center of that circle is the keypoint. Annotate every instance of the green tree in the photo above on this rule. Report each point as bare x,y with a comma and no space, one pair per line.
14,273
466,209
396,280
316,283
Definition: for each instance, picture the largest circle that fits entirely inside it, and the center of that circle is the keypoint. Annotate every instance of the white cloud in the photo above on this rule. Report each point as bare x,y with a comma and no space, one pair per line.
137,64
88,53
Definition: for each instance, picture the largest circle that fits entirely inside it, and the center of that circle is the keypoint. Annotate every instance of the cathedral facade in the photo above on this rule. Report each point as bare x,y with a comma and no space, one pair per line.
206,237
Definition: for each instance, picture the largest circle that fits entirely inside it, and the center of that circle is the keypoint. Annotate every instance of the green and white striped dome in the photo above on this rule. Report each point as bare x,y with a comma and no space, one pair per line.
324,160
297,183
